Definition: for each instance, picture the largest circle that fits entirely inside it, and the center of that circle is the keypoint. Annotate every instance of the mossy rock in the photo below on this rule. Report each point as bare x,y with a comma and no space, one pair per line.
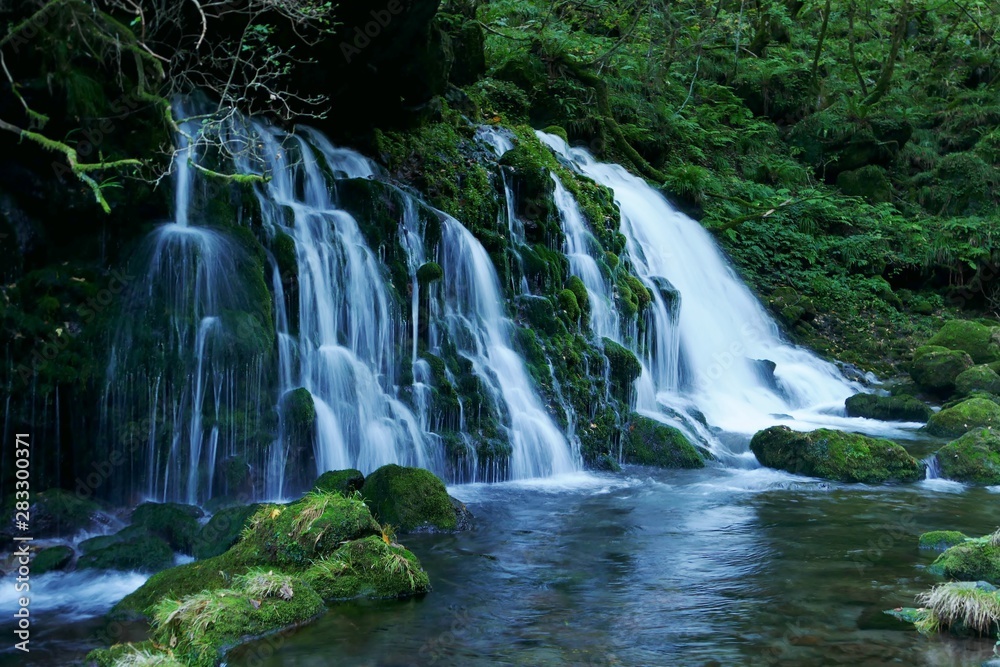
836,455
888,408
979,341
623,368
969,414
53,558
978,378
291,536
870,182
344,482
941,540
972,458
568,305
935,369
973,560
126,534
651,443
429,272
60,513
144,553
370,568
222,531
409,499
115,654
237,616
176,524
298,409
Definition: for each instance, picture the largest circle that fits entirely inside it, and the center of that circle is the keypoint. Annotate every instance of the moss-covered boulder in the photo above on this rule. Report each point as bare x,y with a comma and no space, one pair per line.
973,560
941,540
648,442
52,558
297,412
979,341
60,513
371,567
174,523
202,627
972,458
222,531
429,273
935,369
143,553
409,499
888,408
344,482
293,535
980,378
963,417
836,455
103,541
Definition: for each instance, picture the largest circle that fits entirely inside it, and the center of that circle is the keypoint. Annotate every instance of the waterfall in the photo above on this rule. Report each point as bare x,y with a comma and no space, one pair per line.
711,354
344,352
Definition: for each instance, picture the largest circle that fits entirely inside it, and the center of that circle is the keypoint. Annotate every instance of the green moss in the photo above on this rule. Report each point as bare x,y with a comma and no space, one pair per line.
102,541
409,498
965,416
979,341
285,255
888,408
647,442
144,553
972,560
940,540
202,627
568,305
369,568
297,408
176,524
53,558
978,378
121,655
624,368
845,457
936,369
973,458
222,531
429,273
344,482
180,581
290,536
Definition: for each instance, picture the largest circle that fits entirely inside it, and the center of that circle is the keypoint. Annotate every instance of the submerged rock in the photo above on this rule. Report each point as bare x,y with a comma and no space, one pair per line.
888,408
963,417
935,369
845,457
409,499
972,458
648,442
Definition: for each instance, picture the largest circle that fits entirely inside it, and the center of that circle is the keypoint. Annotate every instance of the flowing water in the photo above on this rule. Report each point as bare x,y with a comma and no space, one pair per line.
658,568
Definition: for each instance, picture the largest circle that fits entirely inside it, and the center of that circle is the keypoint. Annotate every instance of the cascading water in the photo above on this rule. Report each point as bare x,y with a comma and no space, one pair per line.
177,380
344,353
474,318
710,354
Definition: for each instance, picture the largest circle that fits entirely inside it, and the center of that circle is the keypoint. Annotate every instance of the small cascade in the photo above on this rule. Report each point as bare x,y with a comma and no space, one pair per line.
710,353
179,377
500,143
932,467
344,350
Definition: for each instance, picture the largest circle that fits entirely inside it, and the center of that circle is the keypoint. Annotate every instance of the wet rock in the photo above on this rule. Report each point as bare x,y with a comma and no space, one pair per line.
53,558
973,458
344,482
174,523
646,441
409,499
845,457
935,369
963,417
888,408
